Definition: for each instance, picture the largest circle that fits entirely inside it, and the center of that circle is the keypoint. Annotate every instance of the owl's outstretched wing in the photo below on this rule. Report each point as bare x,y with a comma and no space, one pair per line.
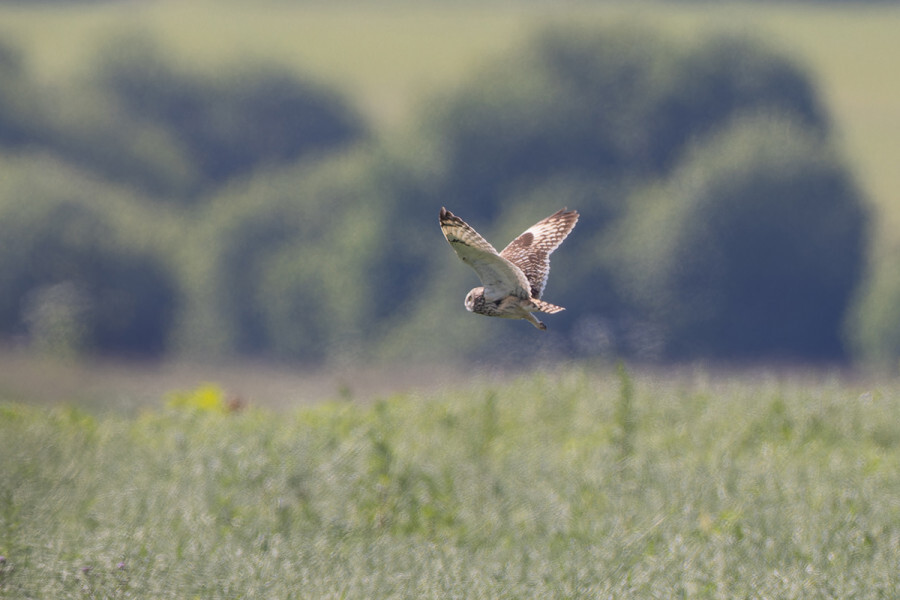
498,275
531,251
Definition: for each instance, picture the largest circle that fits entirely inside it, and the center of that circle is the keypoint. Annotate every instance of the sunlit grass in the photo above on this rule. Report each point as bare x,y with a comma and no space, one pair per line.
563,484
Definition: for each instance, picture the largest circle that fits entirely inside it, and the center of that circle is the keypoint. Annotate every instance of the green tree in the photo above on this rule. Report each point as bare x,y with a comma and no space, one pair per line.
873,327
288,264
19,114
752,248
587,117
225,125
613,102
69,274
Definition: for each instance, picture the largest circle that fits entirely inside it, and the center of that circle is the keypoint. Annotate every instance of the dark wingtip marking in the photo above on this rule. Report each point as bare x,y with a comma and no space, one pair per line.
448,217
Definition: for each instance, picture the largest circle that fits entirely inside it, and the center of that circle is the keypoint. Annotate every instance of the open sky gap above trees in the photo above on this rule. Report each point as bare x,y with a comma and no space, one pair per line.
150,209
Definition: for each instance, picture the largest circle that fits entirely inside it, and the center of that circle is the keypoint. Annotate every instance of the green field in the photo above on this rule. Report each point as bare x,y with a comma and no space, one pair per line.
391,56
576,483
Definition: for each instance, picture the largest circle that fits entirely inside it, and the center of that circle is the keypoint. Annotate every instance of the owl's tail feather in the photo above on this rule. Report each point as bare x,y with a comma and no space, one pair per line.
547,307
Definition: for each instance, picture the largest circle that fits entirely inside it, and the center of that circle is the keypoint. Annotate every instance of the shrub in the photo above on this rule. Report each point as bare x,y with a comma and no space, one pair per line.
85,127
226,124
752,248
289,263
613,102
873,328
19,112
70,278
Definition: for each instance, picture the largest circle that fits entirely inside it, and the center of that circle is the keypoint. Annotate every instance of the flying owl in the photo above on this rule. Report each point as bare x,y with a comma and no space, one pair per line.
514,279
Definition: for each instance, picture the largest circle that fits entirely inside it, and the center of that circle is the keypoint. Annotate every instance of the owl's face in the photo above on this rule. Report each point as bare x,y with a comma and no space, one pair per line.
476,295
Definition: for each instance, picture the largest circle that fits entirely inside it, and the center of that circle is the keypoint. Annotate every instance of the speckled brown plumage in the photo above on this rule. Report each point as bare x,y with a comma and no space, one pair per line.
514,279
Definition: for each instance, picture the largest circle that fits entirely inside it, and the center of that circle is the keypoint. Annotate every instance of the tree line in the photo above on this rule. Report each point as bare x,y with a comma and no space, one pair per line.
149,209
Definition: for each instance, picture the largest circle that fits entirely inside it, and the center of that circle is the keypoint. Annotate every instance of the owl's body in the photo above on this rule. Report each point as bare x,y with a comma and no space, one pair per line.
514,279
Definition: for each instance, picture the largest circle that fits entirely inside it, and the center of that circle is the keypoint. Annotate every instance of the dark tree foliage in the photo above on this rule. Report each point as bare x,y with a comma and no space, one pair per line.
62,257
617,103
716,221
254,115
587,117
291,258
753,248
245,238
19,116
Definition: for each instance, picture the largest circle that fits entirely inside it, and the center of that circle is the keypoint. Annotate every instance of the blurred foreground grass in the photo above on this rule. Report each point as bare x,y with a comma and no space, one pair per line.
571,483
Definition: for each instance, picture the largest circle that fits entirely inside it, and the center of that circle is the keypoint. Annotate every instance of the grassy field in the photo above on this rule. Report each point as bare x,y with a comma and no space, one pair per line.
576,483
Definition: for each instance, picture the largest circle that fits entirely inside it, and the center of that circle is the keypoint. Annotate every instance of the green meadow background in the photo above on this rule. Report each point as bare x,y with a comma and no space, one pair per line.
195,476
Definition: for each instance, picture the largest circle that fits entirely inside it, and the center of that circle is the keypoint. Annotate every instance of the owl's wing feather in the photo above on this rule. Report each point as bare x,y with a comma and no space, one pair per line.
531,251
498,275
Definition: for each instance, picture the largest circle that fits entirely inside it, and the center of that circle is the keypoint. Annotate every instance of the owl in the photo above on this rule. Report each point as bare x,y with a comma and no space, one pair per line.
514,279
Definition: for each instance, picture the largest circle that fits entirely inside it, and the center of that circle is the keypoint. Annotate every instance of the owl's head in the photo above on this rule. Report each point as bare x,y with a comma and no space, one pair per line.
475,297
